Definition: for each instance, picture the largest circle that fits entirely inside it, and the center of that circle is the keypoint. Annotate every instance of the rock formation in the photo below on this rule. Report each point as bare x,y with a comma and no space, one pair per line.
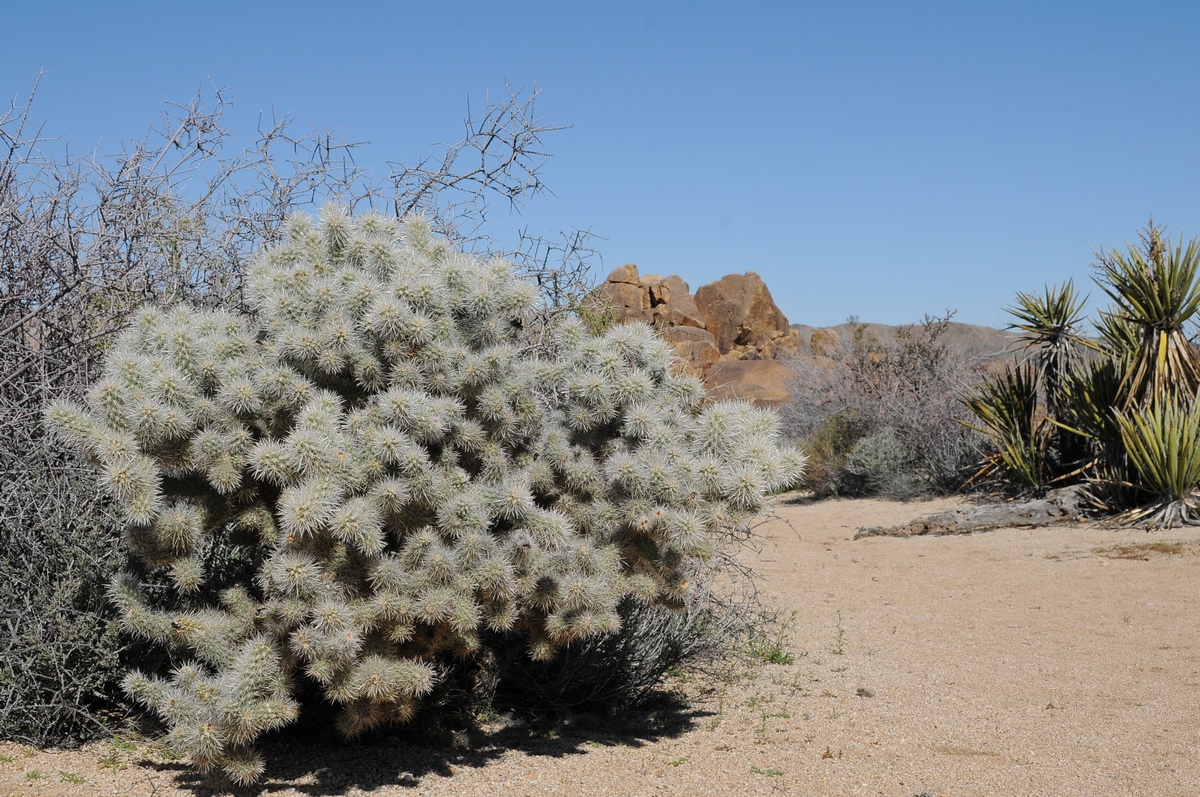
729,334
740,313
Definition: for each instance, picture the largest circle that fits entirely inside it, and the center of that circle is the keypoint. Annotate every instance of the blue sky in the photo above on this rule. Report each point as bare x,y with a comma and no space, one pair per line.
880,159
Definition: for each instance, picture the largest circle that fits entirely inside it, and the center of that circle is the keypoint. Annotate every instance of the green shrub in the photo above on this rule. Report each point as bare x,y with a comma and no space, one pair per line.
383,463
879,465
827,448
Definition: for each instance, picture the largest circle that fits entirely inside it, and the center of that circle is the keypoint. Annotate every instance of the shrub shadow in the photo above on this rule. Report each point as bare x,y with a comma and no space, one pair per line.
317,762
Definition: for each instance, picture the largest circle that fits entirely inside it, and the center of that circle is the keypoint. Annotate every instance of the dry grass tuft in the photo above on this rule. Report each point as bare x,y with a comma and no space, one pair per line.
1142,551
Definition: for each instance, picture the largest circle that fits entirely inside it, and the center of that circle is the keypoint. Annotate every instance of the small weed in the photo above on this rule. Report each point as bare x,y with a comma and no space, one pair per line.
809,738
168,753
773,648
68,777
113,761
123,744
719,714
840,648
830,754
33,774
759,699
770,772
765,715
7,759
678,761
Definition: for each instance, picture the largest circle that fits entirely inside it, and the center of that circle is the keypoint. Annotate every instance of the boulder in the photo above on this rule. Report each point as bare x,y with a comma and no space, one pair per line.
624,293
671,302
627,273
825,343
625,299
739,311
764,382
696,349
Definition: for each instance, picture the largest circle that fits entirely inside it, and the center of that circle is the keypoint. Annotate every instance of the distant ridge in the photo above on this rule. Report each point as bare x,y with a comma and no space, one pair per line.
973,341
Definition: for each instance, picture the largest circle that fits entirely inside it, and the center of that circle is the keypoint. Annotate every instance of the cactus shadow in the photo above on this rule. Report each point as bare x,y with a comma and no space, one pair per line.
318,763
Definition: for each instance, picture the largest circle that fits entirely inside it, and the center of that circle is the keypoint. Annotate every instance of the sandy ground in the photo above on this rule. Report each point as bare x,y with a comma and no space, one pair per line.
1062,661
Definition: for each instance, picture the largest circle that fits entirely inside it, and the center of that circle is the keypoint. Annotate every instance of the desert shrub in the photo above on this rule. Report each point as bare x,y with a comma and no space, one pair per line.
408,470
60,547
889,397
827,449
86,239
879,462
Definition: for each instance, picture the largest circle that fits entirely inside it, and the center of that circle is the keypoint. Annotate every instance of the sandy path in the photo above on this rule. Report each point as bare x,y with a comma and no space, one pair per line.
1012,662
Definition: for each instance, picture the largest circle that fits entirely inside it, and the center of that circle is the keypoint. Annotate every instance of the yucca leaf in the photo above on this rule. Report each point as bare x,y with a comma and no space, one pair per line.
1162,441
1007,408
1155,290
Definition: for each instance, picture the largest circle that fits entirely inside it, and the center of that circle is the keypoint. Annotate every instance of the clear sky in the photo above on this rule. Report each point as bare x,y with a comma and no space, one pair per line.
881,159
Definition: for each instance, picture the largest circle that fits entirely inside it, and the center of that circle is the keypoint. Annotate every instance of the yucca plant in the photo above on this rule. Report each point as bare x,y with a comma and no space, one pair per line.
1086,411
1120,337
1154,289
1120,417
1162,441
1010,417
1051,327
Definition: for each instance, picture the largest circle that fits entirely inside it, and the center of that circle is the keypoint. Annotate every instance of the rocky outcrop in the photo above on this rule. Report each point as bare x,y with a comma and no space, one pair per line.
695,347
740,313
662,301
732,335
729,334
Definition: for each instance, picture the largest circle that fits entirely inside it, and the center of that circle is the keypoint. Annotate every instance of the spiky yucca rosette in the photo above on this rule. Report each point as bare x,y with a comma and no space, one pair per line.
404,465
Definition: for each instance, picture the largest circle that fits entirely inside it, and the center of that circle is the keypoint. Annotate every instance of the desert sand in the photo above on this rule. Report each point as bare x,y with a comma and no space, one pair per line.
1054,661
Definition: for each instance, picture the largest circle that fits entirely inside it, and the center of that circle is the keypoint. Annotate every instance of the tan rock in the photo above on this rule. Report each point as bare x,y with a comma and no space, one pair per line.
630,302
825,343
696,349
764,382
626,273
739,311
784,346
736,356
672,303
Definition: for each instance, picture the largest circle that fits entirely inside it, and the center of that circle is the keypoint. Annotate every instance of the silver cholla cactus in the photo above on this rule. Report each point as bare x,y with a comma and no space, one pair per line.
406,463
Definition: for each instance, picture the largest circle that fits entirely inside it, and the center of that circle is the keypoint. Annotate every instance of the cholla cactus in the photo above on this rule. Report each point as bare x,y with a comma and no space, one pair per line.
405,467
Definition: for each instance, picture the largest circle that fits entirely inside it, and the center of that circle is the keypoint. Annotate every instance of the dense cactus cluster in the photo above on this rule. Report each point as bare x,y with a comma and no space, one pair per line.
407,464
